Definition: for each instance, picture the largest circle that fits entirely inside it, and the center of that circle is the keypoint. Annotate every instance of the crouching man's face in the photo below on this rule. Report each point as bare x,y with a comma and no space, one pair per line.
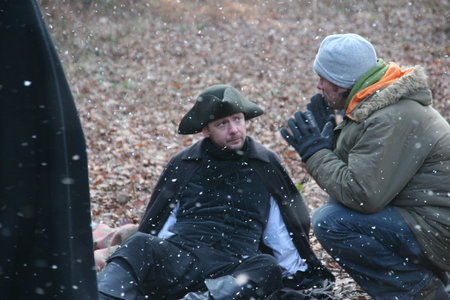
228,133
335,96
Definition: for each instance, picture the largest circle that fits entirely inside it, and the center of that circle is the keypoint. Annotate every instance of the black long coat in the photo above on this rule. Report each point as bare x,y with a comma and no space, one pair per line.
268,166
46,248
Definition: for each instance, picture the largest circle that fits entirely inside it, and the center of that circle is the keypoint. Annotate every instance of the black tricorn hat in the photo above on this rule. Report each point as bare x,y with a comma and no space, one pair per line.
217,102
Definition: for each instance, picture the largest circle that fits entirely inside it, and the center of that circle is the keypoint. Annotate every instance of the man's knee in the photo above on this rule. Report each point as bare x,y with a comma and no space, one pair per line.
137,243
323,218
117,281
139,251
140,238
273,269
263,270
265,261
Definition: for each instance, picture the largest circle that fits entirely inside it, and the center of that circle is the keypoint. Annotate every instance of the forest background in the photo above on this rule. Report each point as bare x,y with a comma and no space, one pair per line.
135,67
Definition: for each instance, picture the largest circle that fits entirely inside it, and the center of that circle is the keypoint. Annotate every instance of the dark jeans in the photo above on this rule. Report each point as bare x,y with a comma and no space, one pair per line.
378,250
166,269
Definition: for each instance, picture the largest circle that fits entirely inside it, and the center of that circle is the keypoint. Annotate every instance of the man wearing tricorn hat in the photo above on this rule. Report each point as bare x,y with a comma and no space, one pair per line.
224,221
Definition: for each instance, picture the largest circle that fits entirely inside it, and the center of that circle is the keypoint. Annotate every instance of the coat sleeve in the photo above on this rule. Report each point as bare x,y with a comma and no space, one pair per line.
383,159
158,210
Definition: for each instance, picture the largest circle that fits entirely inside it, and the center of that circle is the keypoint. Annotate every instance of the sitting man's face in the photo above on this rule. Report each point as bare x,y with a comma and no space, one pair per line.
228,132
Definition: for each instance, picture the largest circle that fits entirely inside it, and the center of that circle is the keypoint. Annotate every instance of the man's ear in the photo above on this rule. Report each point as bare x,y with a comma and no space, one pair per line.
206,132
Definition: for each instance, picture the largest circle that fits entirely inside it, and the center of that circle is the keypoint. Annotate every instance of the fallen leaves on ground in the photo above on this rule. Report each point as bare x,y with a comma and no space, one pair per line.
136,67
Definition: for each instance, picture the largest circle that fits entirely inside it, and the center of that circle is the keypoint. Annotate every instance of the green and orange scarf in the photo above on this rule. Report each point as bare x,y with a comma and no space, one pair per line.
381,75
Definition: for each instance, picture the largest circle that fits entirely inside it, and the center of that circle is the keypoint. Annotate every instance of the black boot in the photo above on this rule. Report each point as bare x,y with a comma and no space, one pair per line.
116,281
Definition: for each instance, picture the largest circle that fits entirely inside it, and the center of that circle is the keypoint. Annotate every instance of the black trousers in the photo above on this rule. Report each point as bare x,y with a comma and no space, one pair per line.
169,269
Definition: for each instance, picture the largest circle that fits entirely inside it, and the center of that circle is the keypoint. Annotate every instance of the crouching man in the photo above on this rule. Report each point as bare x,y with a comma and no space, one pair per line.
386,167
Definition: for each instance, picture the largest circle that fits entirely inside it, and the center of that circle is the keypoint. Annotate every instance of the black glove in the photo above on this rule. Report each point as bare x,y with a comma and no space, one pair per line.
321,111
306,137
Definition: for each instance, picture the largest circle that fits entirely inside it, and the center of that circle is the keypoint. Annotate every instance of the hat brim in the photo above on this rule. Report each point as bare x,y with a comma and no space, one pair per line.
209,108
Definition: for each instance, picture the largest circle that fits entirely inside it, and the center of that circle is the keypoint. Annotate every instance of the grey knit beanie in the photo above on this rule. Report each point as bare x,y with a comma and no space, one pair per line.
343,58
